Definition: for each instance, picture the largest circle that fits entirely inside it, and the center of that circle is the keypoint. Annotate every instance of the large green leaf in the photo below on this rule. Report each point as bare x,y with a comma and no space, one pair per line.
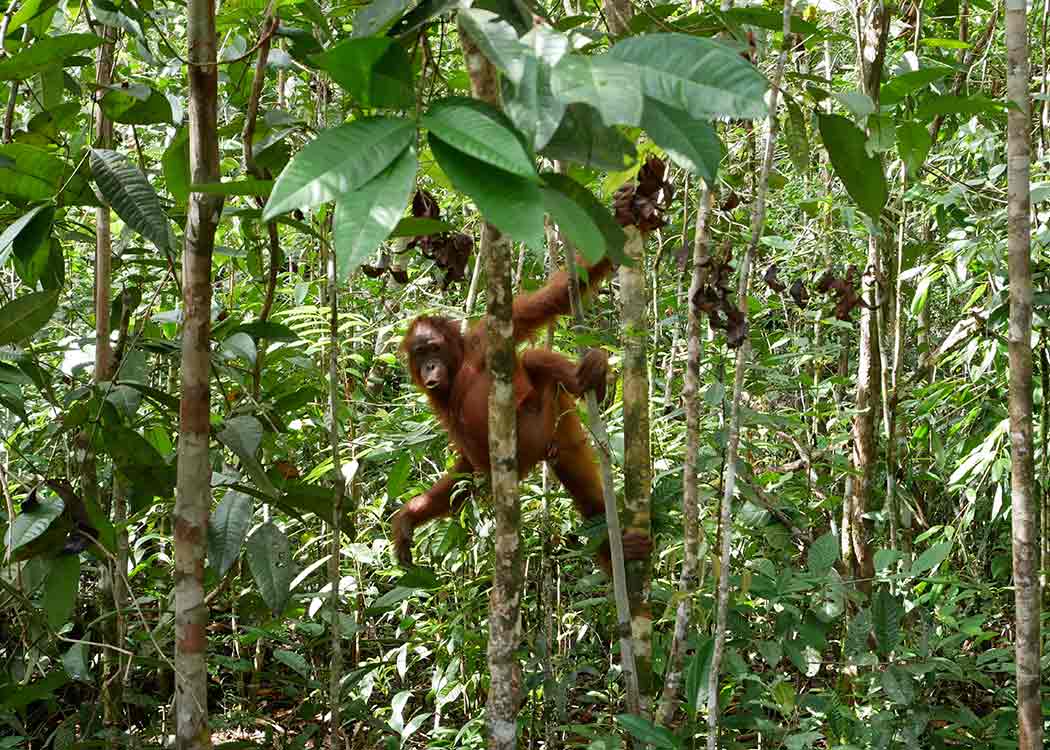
24,316
583,138
139,460
375,71
30,174
823,554
136,104
886,615
366,217
900,86
928,560
176,165
30,524
60,590
948,104
497,40
227,530
585,221
913,143
691,144
272,566
29,10
797,137
130,194
771,20
45,53
609,86
648,733
481,132
703,77
14,229
531,104
242,435
33,251
15,695
338,161
860,173
512,203
378,15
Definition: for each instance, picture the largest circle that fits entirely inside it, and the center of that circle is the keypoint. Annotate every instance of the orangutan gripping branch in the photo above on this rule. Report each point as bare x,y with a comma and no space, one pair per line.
449,368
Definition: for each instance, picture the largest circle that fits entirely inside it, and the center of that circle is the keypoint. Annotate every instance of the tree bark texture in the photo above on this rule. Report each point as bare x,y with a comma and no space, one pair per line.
505,597
193,493
1022,481
638,475
335,671
690,490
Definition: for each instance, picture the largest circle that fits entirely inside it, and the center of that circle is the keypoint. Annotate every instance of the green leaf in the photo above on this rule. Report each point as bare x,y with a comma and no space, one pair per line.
364,218
886,615
60,590
583,138
227,530
378,16
130,194
949,104
899,686
293,661
649,733
513,204
136,104
771,20
698,676
497,40
15,228
176,164
612,88
797,137
823,554
243,435
16,695
531,104
375,71
586,222
860,173
395,480
24,316
29,10
900,86
76,662
30,524
272,566
416,226
31,174
338,161
703,77
691,144
481,132
265,329
32,248
48,52
928,560
913,142
139,460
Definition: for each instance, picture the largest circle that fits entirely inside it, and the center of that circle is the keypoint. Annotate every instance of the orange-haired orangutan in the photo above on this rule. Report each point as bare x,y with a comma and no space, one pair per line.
449,368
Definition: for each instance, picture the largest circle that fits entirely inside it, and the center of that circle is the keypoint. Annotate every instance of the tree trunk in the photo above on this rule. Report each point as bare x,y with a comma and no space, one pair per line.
193,495
505,597
1025,525
335,672
758,220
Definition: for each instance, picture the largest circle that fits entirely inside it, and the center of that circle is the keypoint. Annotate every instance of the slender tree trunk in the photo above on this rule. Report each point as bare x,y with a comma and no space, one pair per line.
193,495
638,477
1025,525
690,491
505,690
758,220
336,741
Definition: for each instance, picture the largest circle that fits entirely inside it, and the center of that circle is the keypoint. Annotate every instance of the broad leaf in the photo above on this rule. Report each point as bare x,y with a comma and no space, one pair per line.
32,251
418,226
948,104
366,217
585,221
481,132
898,684
227,530
130,194
650,734
242,435
377,16
48,52
13,230
691,144
136,104
609,86
246,186
900,86
531,103
913,143
886,615
31,174
176,164
139,460
583,138
60,590
338,161
860,173
928,560
272,566
795,132
375,71
698,675
823,554
703,77
24,316
30,524
266,329
513,204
